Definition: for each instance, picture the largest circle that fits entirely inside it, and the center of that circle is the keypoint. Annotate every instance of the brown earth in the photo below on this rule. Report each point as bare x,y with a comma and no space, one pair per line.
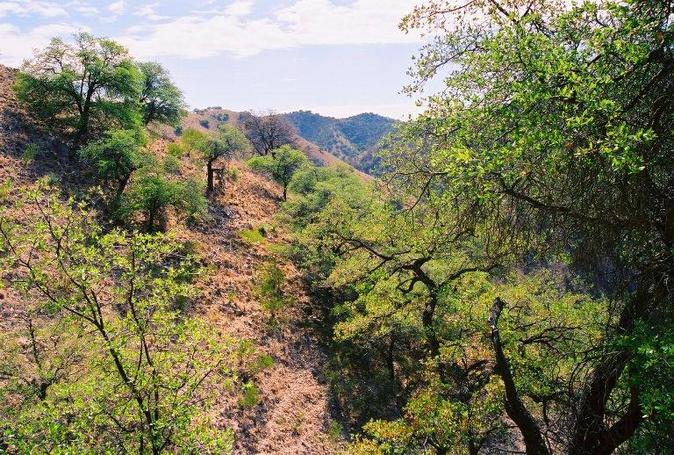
294,414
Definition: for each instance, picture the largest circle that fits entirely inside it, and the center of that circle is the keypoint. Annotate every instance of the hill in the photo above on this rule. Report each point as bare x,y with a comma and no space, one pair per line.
276,423
352,139
210,118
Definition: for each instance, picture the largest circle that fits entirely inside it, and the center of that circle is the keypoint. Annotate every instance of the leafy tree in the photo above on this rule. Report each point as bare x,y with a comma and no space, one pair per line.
114,367
82,89
552,130
162,101
153,194
115,157
228,141
281,165
268,132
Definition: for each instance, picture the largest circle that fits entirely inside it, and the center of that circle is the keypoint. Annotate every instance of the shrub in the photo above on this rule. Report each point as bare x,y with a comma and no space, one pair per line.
171,164
175,149
281,165
251,236
270,290
31,152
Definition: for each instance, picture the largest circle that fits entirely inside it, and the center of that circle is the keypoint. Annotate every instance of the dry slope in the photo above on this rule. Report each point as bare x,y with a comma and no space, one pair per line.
293,414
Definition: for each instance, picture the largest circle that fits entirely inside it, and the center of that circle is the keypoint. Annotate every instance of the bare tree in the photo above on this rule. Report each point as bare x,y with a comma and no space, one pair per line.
268,131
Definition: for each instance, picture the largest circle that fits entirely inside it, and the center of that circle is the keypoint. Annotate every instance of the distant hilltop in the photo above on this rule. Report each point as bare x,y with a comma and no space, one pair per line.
353,140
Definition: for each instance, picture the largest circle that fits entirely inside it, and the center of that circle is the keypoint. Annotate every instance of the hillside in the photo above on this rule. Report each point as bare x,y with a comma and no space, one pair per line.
210,118
351,139
276,424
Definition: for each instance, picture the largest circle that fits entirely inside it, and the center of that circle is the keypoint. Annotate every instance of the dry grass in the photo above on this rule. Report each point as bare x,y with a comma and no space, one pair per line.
293,413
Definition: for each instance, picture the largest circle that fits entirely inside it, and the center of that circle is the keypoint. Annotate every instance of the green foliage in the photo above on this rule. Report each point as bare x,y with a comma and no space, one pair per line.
152,195
205,123
269,290
114,158
224,146
5,189
171,164
280,166
82,89
252,236
546,151
31,152
162,101
250,397
108,364
175,149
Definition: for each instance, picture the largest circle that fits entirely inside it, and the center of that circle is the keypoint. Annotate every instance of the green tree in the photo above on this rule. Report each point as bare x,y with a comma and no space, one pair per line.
115,157
162,101
224,146
118,368
280,165
552,130
82,89
152,195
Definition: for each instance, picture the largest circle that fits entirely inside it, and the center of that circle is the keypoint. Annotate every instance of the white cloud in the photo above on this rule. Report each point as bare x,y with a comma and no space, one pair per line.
239,8
18,45
87,10
149,12
304,23
117,7
28,7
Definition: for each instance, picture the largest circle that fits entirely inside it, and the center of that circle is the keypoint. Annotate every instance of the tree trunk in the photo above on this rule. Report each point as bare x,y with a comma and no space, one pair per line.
591,436
427,323
515,408
209,173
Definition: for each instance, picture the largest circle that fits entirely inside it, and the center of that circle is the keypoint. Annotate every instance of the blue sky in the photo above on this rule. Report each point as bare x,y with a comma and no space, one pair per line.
335,57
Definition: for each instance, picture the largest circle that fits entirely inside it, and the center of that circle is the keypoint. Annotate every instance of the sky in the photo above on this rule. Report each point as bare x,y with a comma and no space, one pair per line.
333,57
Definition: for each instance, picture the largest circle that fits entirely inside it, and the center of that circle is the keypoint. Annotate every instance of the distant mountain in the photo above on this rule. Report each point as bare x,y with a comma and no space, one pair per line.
325,140
352,139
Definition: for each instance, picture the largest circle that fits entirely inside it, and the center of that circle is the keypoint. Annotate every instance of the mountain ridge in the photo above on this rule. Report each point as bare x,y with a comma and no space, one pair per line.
352,139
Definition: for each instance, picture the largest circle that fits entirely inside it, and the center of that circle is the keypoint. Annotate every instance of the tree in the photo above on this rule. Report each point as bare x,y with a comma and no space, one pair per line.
121,369
553,128
281,165
152,195
228,141
115,157
162,101
82,89
268,132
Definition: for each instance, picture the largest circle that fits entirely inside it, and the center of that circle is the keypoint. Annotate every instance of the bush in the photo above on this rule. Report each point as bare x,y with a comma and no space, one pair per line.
270,290
31,152
251,236
171,165
175,149
281,165
152,195
205,123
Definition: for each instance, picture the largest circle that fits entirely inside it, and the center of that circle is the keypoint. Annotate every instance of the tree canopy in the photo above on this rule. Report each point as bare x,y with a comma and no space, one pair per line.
82,88
280,165
162,101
